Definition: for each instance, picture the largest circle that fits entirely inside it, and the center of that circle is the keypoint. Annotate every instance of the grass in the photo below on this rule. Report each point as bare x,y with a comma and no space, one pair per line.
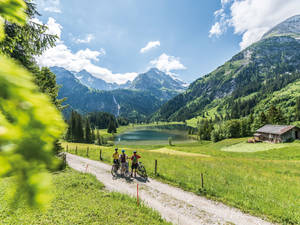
257,147
265,183
178,153
79,199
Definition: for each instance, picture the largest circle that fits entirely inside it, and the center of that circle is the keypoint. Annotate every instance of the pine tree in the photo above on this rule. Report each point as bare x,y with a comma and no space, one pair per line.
88,132
298,109
98,137
68,134
233,129
73,126
275,116
93,136
79,129
263,119
204,129
111,127
235,110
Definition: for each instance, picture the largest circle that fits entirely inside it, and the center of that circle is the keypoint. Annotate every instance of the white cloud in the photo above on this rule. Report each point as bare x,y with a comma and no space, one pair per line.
88,38
62,56
36,20
224,2
215,30
150,45
50,5
54,28
252,18
167,63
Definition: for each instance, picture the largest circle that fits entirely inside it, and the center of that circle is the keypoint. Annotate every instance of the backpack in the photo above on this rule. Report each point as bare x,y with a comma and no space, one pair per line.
134,159
123,158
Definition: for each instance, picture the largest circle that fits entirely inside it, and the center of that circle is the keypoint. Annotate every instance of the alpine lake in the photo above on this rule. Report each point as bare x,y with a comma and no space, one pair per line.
155,135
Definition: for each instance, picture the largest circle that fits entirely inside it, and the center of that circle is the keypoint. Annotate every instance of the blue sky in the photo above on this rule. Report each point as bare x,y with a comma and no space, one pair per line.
187,38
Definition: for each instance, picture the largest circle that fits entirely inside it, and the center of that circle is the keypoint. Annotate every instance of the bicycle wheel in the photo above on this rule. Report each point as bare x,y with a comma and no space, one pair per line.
114,170
142,171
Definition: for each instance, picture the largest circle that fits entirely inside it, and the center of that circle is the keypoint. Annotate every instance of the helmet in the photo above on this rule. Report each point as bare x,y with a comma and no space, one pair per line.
134,151
116,149
123,150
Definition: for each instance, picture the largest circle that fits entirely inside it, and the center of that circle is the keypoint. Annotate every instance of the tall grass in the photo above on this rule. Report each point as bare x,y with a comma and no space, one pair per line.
79,199
261,183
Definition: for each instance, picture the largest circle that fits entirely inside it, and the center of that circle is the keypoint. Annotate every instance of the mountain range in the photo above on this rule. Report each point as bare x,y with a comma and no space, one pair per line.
264,74
134,100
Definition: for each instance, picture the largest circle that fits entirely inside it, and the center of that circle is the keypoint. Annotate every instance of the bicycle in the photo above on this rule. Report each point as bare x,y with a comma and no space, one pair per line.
114,169
125,170
141,170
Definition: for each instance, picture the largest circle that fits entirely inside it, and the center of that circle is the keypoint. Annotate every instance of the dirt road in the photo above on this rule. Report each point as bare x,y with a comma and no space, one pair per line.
174,204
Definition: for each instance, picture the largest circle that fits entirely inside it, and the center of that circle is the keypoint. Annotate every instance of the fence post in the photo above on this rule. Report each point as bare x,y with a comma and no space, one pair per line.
202,184
76,150
67,148
100,155
87,152
137,194
155,168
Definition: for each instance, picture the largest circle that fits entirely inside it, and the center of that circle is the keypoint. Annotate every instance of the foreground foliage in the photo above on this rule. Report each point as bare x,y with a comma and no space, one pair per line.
26,135
80,199
264,183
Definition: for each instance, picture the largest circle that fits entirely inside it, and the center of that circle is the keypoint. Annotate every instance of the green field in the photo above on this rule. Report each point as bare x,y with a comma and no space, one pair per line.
263,183
257,147
79,199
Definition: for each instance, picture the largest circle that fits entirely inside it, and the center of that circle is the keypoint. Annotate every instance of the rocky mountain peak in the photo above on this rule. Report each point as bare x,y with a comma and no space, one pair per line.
289,27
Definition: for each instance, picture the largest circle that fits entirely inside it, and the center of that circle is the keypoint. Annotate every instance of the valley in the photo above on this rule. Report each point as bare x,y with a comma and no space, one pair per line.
136,101
219,112
98,124
263,183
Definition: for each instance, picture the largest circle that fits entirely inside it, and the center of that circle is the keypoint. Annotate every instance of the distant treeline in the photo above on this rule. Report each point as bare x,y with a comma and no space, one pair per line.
221,128
85,128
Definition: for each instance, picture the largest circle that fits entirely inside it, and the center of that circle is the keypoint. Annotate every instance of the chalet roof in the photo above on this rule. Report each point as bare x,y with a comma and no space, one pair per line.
275,129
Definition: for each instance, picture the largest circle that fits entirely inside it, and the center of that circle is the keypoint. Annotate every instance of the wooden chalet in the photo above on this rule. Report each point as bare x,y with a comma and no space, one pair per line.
277,133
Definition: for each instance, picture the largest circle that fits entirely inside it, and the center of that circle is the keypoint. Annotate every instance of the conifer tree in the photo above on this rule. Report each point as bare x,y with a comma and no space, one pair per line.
275,116
111,127
263,119
69,133
98,137
93,136
298,109
88,132
79,129
73,126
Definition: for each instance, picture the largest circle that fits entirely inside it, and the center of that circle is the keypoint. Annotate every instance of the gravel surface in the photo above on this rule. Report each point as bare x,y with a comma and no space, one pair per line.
174,205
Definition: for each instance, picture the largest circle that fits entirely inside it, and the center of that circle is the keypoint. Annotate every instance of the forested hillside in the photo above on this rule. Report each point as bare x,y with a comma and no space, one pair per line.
266,73
133,104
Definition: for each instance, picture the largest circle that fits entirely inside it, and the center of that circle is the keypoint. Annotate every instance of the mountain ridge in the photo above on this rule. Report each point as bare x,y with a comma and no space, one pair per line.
143,81
289,27
136,104
245,80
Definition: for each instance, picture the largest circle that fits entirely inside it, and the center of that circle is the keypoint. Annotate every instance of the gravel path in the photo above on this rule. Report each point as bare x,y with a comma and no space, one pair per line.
174,204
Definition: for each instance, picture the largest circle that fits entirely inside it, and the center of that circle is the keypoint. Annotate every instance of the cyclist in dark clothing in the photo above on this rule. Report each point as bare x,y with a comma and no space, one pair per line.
123,159
135,162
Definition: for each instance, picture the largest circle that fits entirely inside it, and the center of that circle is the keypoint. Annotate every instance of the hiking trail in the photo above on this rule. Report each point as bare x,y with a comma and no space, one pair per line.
175,205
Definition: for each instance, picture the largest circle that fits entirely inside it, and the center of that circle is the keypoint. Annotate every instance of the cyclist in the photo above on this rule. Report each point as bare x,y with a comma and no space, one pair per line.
116,157
135,163
123,159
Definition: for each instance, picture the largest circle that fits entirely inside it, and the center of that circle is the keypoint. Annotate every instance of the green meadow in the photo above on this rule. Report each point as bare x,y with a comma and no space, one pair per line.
78,199
262,183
